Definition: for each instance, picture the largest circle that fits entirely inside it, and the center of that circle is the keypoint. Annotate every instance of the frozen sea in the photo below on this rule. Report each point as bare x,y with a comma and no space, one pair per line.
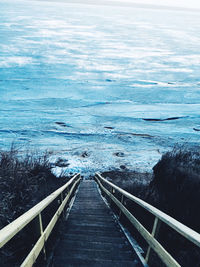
102,86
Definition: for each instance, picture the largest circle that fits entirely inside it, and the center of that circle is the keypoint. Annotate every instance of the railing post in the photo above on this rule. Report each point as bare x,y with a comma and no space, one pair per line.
110,201
155,232
122,200
41,232
61,197
113,193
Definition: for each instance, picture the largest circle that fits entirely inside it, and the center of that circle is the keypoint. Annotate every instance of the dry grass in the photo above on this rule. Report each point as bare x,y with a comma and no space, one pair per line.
24,181
174,188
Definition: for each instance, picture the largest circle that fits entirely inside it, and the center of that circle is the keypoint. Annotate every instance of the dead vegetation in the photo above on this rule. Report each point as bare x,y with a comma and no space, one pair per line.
174,187
25,179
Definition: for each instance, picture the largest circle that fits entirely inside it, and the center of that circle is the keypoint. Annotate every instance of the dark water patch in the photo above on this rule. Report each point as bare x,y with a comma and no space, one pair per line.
82,154
97,104
123,167
109,127
167,119
135,134
61,124
140,82
119,154
21,132
173,118
142,135
7,131
85,154
60,162
24,139
56,132
197,130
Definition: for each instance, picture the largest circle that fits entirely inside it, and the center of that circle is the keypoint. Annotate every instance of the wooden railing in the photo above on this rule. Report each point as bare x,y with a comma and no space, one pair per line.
160,216
9,231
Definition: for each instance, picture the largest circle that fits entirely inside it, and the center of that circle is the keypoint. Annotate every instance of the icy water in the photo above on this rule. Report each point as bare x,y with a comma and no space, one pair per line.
102,86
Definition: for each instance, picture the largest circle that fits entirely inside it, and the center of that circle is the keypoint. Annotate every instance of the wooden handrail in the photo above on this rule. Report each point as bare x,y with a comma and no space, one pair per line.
185,231
9,231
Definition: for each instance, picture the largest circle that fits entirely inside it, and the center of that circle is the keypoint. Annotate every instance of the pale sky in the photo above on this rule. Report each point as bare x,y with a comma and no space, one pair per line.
191,4
177,3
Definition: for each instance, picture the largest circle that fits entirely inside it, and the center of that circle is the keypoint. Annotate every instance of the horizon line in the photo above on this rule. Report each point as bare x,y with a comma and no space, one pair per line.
124,4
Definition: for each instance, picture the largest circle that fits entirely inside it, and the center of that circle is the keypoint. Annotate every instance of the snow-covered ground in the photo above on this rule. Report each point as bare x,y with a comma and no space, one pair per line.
101,86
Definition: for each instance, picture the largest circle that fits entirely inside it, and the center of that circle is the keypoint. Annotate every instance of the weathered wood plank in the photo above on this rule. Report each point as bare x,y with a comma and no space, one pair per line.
185,231
17,225
34,253
94,239
155,245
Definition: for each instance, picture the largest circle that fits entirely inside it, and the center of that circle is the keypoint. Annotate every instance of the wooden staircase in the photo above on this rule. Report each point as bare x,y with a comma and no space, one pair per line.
91,236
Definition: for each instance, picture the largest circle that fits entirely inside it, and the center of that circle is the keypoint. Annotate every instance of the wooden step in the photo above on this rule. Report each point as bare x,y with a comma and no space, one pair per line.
95,263
91,236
